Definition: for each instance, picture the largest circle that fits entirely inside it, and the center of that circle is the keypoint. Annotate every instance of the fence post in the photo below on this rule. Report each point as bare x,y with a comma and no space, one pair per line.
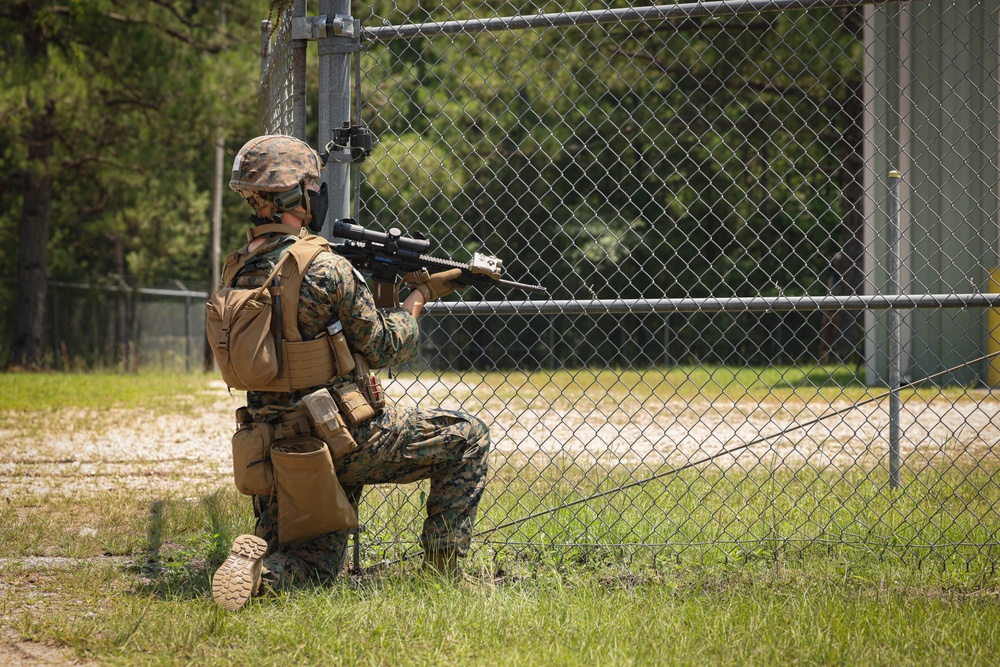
299,77
895,350
335,101
55,329
187,324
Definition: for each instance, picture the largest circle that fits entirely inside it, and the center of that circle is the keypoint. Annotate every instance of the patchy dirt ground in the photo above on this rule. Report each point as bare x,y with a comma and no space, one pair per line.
18,652
15,652
677,433
74,451
78,451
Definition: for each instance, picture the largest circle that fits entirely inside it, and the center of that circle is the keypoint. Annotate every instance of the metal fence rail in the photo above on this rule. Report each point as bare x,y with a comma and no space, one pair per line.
758,337
734,304
564,19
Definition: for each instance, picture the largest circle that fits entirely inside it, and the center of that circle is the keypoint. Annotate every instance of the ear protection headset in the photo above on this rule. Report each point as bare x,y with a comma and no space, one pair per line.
289,199
316,204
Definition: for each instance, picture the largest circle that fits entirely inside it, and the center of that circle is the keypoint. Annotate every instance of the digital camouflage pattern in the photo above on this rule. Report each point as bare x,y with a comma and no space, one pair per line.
273,163
449,448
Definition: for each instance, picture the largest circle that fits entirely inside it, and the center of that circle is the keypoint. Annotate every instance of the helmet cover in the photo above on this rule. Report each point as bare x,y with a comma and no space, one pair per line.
273,163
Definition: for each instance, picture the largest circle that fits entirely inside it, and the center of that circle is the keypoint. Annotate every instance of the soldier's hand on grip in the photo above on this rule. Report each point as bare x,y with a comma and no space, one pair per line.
434,285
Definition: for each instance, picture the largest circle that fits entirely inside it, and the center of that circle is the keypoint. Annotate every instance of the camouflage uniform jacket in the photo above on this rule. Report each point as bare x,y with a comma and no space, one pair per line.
333,290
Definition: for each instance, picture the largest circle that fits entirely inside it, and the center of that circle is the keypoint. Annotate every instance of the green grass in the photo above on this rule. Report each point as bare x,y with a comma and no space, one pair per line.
694,518
816,611
167,391
45,392
711,516
583,388
756,599
812,567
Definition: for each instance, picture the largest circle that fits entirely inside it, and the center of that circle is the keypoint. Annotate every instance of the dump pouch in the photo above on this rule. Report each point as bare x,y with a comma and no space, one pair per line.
251,463
328,422
311,501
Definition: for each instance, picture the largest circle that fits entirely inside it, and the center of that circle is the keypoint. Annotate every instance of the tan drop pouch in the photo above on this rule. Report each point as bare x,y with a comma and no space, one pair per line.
310,499
251,466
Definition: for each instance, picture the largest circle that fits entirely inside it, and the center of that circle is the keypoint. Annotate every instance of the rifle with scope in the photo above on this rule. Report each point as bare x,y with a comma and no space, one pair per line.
386,256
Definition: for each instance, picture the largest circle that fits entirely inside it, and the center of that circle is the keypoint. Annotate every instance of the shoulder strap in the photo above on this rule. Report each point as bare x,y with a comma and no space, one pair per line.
234,262
267,228
238,258
299,256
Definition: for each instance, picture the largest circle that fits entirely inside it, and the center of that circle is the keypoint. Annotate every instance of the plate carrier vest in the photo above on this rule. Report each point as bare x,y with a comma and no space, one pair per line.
261,322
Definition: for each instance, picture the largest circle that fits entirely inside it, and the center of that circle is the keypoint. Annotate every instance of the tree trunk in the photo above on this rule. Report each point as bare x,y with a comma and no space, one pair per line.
853,192
28,347
852,187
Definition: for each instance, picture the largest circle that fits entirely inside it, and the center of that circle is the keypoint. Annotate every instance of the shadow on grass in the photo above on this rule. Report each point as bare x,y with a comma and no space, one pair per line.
179,563
821,377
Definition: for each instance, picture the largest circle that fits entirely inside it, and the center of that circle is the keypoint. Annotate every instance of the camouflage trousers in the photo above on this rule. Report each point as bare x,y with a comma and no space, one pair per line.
399,447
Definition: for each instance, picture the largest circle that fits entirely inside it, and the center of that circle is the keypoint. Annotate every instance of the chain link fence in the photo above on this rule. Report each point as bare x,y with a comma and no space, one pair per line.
758,338
276,94
121,326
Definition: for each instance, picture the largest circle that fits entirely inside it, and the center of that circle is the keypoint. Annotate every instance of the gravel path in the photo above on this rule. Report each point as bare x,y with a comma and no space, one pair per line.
76,451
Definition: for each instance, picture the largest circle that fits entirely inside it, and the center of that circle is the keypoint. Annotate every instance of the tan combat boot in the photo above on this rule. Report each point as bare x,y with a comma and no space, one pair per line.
443,563
239,576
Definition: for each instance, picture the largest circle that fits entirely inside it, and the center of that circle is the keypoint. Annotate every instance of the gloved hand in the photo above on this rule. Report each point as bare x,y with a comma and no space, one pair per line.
436,285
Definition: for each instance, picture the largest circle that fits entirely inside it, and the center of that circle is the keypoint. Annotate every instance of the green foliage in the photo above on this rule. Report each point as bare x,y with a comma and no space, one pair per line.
671,159
662,159
139,90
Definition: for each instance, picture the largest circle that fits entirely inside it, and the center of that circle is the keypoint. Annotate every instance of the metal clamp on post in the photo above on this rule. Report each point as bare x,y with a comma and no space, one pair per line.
310,28
344,26
341,26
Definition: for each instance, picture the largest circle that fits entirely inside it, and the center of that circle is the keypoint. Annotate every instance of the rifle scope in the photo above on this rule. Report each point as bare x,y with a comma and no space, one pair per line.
393,240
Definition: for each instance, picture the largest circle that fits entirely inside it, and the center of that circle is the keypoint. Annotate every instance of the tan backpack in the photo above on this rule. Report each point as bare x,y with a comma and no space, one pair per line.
254,333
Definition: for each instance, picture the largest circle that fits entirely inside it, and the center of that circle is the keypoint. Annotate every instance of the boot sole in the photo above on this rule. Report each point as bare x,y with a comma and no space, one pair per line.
238,577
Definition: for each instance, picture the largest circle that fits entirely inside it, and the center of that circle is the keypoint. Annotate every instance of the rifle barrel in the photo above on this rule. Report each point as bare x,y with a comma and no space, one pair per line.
538,289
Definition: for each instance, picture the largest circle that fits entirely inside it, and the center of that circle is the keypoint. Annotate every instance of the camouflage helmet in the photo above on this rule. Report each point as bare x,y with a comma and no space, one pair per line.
273,163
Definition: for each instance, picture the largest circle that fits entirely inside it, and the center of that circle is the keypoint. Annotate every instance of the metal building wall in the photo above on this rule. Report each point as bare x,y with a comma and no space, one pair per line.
931,97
